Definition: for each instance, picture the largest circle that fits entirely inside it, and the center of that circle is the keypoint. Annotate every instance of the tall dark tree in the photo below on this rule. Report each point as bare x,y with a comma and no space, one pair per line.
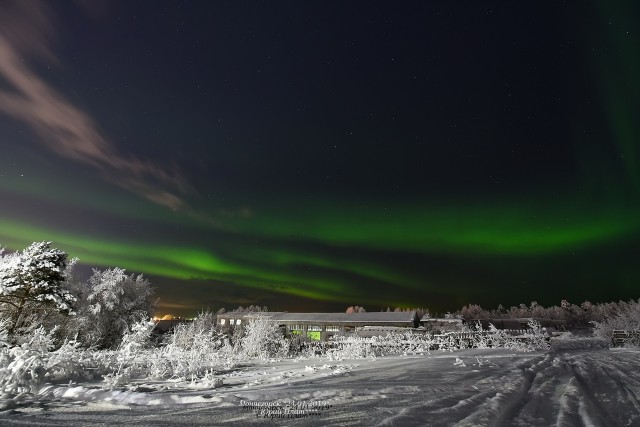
32,280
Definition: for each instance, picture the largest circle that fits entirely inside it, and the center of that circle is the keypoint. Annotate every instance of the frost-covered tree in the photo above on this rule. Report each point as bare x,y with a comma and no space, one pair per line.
201,331
262,339
67,327
114,302
32,280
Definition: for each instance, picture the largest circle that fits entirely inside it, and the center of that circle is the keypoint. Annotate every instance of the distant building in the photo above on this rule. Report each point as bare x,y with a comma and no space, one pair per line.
322,326
238,319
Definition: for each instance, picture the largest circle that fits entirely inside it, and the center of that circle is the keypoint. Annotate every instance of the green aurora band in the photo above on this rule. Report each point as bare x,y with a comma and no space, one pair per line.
502,230
317,273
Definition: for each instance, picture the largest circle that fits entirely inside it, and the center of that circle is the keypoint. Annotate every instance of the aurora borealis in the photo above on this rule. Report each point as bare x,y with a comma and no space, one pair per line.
312,156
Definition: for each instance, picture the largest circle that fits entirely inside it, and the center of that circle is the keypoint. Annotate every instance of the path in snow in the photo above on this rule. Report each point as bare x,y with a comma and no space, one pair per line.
481,388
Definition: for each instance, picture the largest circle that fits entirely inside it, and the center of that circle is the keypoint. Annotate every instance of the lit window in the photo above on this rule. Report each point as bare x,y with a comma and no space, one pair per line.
238,321
223,321
314,328
296,327
332,328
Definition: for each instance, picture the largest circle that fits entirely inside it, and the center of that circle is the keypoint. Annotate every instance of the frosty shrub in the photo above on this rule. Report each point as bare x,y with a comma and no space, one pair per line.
192,351
478,337
23,367
71,362
626,318
130,358
535,336
201,332
350,347
119,377
447,342
262,339
354,347
27,367
403,343
137,338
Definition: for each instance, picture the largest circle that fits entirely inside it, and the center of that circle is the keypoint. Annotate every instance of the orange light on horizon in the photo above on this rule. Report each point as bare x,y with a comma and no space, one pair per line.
165,317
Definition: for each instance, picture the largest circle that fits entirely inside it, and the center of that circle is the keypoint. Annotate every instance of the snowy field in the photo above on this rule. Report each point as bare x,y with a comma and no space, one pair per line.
472,387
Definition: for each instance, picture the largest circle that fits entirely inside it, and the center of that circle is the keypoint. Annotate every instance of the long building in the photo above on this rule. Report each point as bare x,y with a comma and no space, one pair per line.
321,326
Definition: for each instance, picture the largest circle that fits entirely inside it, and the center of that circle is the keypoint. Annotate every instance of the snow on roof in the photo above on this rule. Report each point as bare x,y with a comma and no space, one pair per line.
404,316
440,319
243,314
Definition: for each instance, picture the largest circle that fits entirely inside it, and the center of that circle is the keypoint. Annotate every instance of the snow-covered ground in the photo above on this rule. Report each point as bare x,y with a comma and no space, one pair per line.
473,387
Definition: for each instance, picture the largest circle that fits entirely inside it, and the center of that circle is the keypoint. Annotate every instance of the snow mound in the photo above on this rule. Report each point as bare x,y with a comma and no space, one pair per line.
569,341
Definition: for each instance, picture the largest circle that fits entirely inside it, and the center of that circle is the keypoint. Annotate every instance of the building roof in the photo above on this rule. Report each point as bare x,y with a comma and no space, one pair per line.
388,317
243,314
441,320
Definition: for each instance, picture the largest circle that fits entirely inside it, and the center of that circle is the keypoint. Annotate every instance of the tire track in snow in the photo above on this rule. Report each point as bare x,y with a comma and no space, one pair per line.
568,389
590,391
503,406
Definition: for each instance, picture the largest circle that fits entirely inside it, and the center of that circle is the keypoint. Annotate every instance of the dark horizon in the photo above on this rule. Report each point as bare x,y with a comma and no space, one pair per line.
322,155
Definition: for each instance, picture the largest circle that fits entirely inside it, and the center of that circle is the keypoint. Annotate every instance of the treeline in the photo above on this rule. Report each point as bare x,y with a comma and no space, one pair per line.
248,309
420,311
602,317
576,316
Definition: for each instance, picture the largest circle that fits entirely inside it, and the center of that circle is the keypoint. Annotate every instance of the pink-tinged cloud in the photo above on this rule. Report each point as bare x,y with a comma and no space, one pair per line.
25,28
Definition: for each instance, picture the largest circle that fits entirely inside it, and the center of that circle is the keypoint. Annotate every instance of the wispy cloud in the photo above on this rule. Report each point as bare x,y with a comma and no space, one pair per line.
26,29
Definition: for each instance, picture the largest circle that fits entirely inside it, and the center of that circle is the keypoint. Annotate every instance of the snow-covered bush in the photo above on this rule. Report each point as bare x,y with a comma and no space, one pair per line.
350,347
71,362
23,367
192,351
535,336
402,343
262,339
477,337
137,338
28,367
448,342
131,361
354,347
202,331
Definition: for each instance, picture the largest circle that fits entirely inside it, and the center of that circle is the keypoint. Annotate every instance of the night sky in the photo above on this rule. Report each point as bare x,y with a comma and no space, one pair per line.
308,156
